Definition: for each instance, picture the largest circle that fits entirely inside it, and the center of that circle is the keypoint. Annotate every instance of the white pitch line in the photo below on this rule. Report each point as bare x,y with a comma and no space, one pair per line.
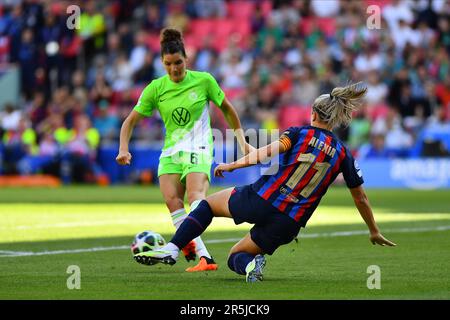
12,254
72,225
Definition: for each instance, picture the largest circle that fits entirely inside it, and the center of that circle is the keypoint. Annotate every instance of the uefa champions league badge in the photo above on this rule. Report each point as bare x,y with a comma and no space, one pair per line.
193,96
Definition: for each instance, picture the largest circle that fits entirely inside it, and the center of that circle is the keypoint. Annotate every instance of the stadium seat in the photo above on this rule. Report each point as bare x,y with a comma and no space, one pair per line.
232,93
242,9
242,27
202,27
377,111
136,92
4,48
380,3
153,42
224,27
266,6
116,98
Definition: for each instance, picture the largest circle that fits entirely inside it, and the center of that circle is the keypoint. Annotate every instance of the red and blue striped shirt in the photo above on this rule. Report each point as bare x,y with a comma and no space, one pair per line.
314,160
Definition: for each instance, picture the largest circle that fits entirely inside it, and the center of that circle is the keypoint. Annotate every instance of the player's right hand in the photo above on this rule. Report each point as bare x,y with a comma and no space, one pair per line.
123,158
218,171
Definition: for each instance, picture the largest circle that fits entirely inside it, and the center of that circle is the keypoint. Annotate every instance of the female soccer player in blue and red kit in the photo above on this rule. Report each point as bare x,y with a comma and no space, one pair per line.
280,204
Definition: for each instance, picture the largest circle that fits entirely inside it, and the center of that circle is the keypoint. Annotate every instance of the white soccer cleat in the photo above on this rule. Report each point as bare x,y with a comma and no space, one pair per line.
254,269
155,256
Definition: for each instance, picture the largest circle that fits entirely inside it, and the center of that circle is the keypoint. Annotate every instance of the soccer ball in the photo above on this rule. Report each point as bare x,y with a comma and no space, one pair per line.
146,241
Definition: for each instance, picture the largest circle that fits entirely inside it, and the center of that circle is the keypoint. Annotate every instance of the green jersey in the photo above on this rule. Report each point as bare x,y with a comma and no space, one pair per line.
184,109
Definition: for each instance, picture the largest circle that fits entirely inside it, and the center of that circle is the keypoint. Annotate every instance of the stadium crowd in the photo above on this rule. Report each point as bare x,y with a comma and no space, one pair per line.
272,58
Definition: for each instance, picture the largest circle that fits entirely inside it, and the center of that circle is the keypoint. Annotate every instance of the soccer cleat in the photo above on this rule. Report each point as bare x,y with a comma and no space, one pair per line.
254,269
152,257
205,264
189,251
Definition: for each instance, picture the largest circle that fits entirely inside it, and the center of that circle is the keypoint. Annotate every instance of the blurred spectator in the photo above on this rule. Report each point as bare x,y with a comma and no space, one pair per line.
396,11
121,73
444,32
79,90
305,88
359,130
146,73
177,18
376,90
137,56
403,35
92,29
443,94
272,30
391,126
210,8
369,60
37,109
114,48
206,55
18,143
154,19
10,118
257,20
126,38
375,149
325,8
233,72
40,161
79,154
284,16
106,122
101,90
28,59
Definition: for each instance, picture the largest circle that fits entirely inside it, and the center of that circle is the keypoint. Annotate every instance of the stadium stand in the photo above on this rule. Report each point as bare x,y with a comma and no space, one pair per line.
271,58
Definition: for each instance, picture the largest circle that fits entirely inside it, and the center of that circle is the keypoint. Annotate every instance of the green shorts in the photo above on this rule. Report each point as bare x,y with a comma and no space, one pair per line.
184,163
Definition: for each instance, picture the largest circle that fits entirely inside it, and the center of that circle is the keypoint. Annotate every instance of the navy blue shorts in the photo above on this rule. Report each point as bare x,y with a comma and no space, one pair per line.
271,229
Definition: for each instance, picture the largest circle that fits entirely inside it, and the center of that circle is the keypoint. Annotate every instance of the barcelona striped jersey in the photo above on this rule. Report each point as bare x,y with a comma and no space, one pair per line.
314,159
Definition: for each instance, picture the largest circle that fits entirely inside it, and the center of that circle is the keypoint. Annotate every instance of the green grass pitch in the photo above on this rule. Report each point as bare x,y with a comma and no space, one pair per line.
44,231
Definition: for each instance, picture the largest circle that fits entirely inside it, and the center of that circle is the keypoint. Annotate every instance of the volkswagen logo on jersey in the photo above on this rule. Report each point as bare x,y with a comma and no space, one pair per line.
181,116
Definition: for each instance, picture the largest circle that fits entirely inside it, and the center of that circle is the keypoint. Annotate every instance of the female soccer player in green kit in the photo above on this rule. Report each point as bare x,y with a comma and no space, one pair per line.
182,97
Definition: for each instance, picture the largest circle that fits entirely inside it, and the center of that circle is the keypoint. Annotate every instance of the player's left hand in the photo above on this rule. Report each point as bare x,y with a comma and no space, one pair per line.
219,170
377,238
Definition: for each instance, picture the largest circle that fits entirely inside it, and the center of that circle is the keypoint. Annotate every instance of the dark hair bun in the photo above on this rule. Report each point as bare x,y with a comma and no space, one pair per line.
169,35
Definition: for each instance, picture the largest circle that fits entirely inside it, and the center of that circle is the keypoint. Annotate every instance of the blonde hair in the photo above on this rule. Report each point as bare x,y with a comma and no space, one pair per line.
336,108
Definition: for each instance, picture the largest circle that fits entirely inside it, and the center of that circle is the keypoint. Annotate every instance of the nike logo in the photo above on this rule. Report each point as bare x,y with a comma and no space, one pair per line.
161,100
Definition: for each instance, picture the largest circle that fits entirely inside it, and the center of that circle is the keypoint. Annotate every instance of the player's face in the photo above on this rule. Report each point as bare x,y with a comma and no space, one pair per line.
175,65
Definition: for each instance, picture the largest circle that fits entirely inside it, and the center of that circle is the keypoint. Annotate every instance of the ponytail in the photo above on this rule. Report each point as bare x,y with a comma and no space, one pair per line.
336,108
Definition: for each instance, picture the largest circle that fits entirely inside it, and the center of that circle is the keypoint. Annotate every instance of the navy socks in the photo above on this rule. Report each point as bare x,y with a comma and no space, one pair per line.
194,225
239,260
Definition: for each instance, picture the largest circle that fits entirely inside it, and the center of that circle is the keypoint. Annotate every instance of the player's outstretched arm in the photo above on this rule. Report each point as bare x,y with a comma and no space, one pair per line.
124,156
363,205
254,157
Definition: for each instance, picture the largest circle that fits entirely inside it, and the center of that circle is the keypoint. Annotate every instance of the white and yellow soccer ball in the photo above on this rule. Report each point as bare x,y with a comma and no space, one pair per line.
146,241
